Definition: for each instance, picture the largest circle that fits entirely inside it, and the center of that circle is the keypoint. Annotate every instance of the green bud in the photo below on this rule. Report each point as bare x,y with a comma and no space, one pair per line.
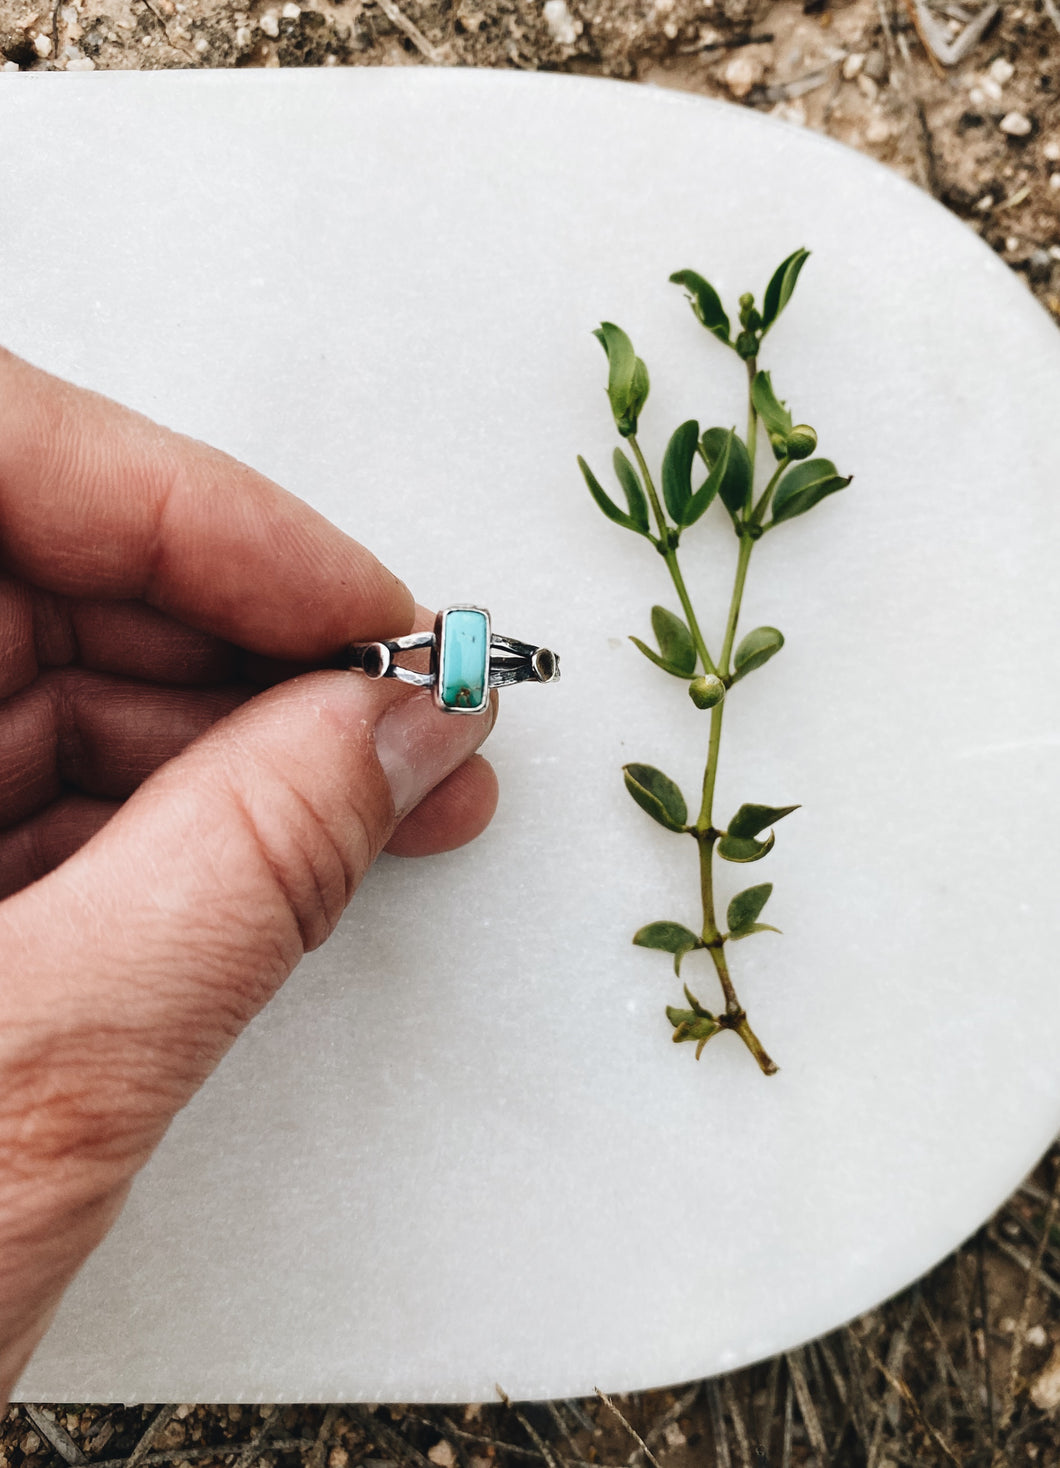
747,345
747,302
779,445
802,440
706,691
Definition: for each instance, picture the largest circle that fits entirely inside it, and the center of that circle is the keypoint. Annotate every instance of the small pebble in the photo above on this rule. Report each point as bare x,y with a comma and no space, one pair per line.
741,73
977,96
1015,124
291,11
867,87
184,1411
42,44
1051,150
878,130
1007,1325
675,1438
30,1443
1054,250
1012,244
1054,180
202,45
442,1453
270,23
853,64
80,63
985,203
10,66
875,65
338,1457
1002,71
1045,1389
793,110
1036,1336
990,88
561,23
244,36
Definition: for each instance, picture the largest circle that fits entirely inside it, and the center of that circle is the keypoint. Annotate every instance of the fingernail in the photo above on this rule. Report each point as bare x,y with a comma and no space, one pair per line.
417,745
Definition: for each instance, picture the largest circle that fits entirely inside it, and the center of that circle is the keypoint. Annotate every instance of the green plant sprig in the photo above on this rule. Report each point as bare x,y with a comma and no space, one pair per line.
796,484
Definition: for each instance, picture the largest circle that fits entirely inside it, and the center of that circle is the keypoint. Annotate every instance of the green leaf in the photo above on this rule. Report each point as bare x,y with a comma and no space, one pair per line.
754,650
660,662
670,938
606,504
753,928
780,287
735,486
692,1024
745,848
749,820
674,639
771,411
704,495
631,488
657,794
706,302
677,469
627,382
638,398
805,485
746,906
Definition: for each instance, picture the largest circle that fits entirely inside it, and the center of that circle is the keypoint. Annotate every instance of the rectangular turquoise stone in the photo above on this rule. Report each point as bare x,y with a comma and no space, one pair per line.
464,659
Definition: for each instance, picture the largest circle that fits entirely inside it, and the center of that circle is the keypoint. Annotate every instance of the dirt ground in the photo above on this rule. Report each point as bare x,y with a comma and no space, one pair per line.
963,98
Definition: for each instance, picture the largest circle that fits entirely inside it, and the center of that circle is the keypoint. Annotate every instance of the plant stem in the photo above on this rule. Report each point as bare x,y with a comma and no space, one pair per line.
735,1017
669,555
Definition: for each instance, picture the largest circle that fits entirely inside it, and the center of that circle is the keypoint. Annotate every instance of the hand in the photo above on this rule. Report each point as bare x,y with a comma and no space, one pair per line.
181,819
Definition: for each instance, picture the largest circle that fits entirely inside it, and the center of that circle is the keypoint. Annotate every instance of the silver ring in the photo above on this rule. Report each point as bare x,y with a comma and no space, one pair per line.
467,660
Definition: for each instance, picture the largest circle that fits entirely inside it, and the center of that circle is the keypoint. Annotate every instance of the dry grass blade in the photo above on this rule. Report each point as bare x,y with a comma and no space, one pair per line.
535,1437
722,1456
684,1404
1034,1275
902,1390
634,1434
732,1406
397,17
789,1424
55,1433
254,1446
386,1438
161,1419
810,1419
218,1450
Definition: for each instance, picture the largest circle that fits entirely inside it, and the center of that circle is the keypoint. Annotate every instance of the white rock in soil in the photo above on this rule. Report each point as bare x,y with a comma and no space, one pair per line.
291,11
1045,1388
442,1453
561,23
1054,180
80,63
741,73
1002,71
1015,124
673,1435
853,64
270,23
991,88
1036,1336
43,45
1051,150
867,87
878,130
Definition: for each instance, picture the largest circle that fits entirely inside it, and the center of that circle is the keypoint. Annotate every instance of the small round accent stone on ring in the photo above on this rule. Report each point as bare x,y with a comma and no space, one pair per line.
544,664
375,660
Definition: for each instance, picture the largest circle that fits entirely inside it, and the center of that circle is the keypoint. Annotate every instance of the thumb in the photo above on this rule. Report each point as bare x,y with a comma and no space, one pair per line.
128,971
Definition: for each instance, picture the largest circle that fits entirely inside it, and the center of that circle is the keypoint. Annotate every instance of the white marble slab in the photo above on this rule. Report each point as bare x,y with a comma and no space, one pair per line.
459,1148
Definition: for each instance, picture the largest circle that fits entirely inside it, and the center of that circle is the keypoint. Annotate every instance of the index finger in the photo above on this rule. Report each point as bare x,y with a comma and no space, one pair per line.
97,500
